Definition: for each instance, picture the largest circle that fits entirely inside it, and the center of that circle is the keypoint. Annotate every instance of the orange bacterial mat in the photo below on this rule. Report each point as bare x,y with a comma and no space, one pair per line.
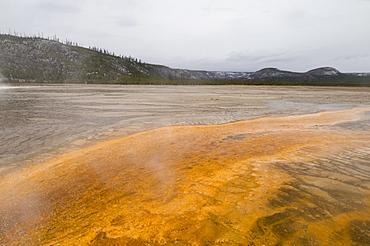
295,180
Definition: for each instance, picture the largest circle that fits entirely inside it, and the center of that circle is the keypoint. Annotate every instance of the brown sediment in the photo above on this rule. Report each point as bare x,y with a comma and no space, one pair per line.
273,181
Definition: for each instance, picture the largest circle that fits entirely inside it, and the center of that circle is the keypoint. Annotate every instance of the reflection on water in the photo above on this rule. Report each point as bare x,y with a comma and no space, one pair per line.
297,180
39,120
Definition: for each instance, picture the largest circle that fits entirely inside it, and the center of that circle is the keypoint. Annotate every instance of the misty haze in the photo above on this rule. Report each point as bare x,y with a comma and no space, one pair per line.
184,122
188,165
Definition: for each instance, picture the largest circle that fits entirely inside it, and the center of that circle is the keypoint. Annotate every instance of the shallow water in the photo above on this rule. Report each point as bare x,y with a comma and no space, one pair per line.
297,180
43,121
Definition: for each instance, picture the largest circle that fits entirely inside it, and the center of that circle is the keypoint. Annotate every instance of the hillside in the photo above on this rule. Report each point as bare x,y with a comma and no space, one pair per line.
41,60
34,59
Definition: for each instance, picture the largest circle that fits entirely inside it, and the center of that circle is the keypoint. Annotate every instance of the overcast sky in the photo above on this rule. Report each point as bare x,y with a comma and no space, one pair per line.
221,35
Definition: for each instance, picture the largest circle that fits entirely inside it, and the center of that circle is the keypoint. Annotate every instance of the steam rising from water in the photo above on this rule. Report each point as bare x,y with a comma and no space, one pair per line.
2,84
264,182
182,184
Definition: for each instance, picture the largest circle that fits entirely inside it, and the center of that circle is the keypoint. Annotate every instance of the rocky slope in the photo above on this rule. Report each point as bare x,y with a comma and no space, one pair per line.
34,59
41,60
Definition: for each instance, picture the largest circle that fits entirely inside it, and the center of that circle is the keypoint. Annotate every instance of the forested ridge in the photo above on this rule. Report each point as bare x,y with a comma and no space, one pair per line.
34,59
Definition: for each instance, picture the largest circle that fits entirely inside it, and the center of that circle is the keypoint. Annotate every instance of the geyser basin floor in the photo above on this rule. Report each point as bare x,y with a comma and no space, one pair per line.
40,122
300,180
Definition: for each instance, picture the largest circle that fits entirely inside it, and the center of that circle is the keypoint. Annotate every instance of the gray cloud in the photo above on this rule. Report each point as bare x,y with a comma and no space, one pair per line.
256,56
207,34
353,57
127,22
294,16
57,7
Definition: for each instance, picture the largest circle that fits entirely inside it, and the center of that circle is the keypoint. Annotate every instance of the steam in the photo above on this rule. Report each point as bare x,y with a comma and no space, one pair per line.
3,84
2,79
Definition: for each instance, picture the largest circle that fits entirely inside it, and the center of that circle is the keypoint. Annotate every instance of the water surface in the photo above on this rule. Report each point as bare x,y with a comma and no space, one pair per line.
302,179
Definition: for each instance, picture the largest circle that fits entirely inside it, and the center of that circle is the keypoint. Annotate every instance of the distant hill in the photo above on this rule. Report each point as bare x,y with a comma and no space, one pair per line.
39,60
